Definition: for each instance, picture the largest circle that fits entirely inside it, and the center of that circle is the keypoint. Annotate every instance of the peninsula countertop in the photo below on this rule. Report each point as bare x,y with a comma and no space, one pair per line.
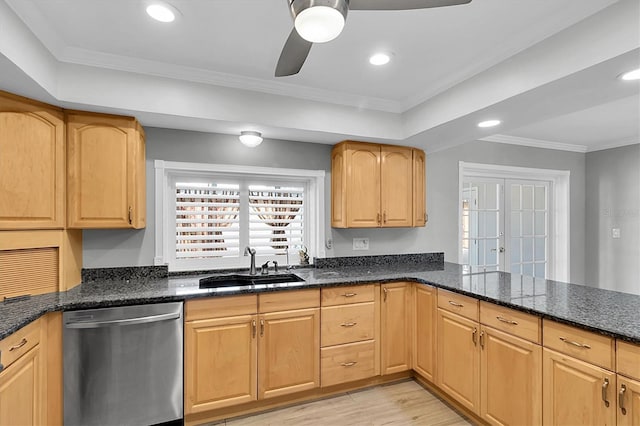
607,312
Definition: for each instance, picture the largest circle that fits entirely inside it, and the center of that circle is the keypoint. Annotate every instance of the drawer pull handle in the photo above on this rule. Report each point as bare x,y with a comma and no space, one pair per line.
349,294
348,324
571,342
623,410
508,321
349,364
605,386
19,345
457,305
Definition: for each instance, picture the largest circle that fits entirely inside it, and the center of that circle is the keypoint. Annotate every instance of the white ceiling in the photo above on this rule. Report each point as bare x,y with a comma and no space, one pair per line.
213,68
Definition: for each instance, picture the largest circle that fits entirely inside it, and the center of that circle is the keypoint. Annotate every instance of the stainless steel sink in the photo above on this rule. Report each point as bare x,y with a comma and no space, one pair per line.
238,280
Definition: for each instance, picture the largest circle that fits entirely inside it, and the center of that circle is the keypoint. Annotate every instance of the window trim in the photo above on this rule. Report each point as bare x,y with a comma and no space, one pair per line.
167,170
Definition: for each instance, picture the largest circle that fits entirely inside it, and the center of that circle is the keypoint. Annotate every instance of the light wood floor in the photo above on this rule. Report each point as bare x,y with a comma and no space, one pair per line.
405,403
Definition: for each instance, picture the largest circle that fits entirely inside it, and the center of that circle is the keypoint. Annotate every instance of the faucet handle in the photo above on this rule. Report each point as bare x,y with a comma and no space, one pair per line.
265,268
275,266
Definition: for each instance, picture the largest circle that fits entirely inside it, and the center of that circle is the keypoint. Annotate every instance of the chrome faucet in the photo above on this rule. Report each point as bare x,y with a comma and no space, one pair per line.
249,251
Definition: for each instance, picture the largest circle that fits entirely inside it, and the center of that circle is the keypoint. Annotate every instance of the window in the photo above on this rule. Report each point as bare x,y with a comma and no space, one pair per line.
207,214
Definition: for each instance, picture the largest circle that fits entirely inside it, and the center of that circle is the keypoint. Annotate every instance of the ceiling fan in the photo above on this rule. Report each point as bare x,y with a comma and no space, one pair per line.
319,21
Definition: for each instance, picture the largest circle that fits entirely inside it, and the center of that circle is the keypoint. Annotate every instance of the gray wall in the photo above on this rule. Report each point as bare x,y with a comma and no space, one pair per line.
107,248
613,185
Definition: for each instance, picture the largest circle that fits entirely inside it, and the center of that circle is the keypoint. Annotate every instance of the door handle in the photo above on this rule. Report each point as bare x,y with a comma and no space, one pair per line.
261,328
501,249
384,290
623,389
121,322
254,328
605,386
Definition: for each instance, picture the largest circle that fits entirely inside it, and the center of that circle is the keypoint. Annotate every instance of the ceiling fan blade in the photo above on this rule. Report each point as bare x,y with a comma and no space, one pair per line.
293,55
401,4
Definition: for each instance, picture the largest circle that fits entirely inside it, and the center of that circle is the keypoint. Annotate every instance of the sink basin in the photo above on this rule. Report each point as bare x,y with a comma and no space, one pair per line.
237,280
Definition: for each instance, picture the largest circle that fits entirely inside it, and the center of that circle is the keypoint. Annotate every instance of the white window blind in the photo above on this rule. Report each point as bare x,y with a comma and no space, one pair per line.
276,218
207,220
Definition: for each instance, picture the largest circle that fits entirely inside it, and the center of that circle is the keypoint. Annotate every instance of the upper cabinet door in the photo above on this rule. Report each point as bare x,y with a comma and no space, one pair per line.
363,186
31,164
419,188
396,189
105,172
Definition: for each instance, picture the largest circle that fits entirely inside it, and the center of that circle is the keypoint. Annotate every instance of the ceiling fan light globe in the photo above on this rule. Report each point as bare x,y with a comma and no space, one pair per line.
319,24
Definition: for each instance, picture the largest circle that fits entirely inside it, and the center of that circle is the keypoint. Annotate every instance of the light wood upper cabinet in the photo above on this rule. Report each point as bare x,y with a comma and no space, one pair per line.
396,327
106,171
576,392
458,372
374,185
396,186
222,362
628,401
510,379
289,352
419,188
424,343
32,164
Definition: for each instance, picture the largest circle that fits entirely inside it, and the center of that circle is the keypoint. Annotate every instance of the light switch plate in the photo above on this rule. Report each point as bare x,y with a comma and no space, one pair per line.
615,233
361,244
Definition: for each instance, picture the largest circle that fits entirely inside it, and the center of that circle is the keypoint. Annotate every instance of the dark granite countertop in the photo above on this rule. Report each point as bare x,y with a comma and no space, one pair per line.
608,312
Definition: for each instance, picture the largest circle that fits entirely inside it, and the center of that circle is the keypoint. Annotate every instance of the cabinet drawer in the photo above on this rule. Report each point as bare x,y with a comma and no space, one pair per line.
511,321
19,343
351,294
347,363
347,323
581,344
218,307
288,300
458,304
628,357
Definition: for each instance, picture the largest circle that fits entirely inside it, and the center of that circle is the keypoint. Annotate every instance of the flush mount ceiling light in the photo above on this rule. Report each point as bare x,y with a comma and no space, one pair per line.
489,123
379,58
319,21
161,12
631,75
250,138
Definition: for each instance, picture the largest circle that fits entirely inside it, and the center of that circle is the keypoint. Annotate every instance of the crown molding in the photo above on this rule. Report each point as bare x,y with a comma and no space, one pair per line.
615,144
91,58
535,143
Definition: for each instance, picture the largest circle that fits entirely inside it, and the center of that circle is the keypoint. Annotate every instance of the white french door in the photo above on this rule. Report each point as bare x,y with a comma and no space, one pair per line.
505,225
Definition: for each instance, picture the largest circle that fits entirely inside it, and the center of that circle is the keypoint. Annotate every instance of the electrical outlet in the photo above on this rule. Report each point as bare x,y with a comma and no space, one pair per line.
329,244
361,244
615,233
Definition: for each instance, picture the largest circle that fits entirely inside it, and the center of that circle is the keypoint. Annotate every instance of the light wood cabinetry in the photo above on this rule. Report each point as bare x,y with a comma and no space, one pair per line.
628,359
32,173
396,327
289,352
373,186
576,392
628,401
240,349
105,171
424,335
349,329
510,379
22,381
458,372
584,345
419,188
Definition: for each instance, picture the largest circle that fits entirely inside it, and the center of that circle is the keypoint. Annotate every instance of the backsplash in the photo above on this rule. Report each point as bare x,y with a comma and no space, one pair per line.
125,273
381,260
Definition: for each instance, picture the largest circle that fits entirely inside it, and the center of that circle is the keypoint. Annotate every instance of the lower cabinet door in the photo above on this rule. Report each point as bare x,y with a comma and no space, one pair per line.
220,362
458,372
511,379
395,327
21,391
628,402
289,352
576,392
424,331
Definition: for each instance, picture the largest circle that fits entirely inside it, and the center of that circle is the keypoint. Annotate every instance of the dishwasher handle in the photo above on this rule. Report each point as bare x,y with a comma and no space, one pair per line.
121,322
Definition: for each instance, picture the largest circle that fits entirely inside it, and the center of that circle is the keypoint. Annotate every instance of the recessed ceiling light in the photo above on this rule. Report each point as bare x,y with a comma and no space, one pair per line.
631,75
489,123
161,12
250,138
379,59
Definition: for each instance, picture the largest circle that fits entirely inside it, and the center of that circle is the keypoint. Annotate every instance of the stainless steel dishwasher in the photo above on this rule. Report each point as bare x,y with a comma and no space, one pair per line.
123,365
